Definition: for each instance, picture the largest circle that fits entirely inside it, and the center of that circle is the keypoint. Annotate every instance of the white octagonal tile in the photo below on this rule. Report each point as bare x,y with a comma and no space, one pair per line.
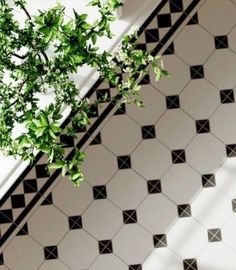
151,159
175,129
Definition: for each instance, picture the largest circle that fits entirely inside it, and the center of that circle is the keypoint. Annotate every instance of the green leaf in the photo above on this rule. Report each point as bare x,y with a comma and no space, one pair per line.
56,165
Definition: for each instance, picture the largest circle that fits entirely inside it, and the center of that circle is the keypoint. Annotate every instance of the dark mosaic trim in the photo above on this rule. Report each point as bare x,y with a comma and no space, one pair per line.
14,223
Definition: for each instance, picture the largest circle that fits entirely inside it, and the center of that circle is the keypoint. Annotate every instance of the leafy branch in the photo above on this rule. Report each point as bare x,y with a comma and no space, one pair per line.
27,70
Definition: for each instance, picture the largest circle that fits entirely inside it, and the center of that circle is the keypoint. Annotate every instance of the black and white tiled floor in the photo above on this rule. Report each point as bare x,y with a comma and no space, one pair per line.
160,189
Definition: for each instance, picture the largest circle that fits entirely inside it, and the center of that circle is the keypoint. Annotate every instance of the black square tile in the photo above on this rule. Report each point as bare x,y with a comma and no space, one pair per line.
178,156
97,139
184,210
221,42
121,109
50,253
68,141
231,150
227,96
172,102
159,240
129,216
190,264
30,186
135,267
48,200
234,205
75,222
124,162
164,20
208,180
214,235
6,216
18,201
1,259
99,192
41,170
23,230
152,35
148,132
105,246
176,6
104,95
170,49
154,186
145,80
203,126
193,20
197,72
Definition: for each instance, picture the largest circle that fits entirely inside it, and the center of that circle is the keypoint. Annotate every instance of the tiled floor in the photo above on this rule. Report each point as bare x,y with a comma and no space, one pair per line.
160,189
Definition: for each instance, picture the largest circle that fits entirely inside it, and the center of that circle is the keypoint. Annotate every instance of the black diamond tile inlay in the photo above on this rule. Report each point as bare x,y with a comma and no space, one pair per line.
152,35
93,112
221,42
176,6
97,139
6,216
154,186
1,259
159,240
234,205
105,246
23,230
184,210
41,171
68,141
30,186
227,96
170,49
104,95
214,235
129,216
48,200
145,80
231,150
203,126
124,162
164,20
18,201
208,180
172,102
121,110
135,267
141,46
148,132
197,72
78,128
193,20
190,264
75,222
50,253
119,76
99,192
178,156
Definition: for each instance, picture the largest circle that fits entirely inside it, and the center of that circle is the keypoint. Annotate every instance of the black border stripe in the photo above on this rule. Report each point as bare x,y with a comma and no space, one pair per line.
96,124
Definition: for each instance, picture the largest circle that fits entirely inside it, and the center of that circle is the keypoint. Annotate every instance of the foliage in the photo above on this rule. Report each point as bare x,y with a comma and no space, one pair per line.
28,70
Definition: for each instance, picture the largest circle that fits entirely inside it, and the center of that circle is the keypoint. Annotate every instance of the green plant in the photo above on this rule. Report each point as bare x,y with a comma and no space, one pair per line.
26,70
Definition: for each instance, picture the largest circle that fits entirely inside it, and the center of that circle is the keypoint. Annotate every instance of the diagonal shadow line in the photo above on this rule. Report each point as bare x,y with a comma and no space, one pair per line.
103,115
